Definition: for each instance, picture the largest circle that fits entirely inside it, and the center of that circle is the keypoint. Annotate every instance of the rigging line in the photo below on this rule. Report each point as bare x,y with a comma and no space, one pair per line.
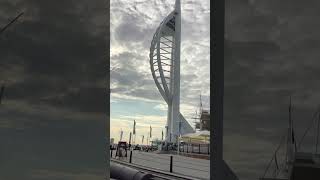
11,22
305,133
269,164
318,132
282,166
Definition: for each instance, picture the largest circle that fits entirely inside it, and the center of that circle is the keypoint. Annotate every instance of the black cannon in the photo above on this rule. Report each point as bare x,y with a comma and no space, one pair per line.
121,172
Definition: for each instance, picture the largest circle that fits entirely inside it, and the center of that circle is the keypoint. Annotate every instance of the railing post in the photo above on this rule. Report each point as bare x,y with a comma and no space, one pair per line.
130,161
171,164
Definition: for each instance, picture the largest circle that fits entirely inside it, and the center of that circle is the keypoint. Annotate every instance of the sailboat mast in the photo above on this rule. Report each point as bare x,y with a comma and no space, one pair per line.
290,141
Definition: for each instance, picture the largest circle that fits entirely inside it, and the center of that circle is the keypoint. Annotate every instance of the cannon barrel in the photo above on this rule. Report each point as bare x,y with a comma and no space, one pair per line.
121,172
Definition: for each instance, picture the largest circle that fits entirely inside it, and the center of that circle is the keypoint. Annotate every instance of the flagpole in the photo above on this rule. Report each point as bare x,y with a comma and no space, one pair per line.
178,144
179,138
150,134
142,139
121,133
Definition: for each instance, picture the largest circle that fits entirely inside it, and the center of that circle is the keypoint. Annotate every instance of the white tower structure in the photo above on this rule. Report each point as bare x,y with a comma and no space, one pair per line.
165,68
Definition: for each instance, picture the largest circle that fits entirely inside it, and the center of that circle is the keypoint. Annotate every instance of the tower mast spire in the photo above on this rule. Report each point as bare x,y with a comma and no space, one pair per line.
178,6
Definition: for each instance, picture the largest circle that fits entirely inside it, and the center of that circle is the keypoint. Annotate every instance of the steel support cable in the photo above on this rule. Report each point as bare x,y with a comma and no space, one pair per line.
275,153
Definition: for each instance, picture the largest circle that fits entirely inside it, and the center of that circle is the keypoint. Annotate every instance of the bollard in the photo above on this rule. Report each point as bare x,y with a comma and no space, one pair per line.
199,148
130,161
171,164
188,148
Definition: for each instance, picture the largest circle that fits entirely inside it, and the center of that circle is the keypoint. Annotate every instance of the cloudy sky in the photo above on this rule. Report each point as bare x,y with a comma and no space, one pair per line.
134,94
53,114
271,51
53,65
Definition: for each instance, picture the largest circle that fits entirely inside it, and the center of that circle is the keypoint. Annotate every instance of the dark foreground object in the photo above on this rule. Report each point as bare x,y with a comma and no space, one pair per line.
306,166
121,172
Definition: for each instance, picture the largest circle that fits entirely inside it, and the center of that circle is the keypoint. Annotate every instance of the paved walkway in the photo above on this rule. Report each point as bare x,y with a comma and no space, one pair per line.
198,168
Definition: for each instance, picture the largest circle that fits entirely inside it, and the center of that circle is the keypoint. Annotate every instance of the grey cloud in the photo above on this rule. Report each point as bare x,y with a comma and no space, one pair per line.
53,65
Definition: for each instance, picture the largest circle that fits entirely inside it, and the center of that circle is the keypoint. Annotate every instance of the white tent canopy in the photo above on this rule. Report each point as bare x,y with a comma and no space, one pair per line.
201,137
